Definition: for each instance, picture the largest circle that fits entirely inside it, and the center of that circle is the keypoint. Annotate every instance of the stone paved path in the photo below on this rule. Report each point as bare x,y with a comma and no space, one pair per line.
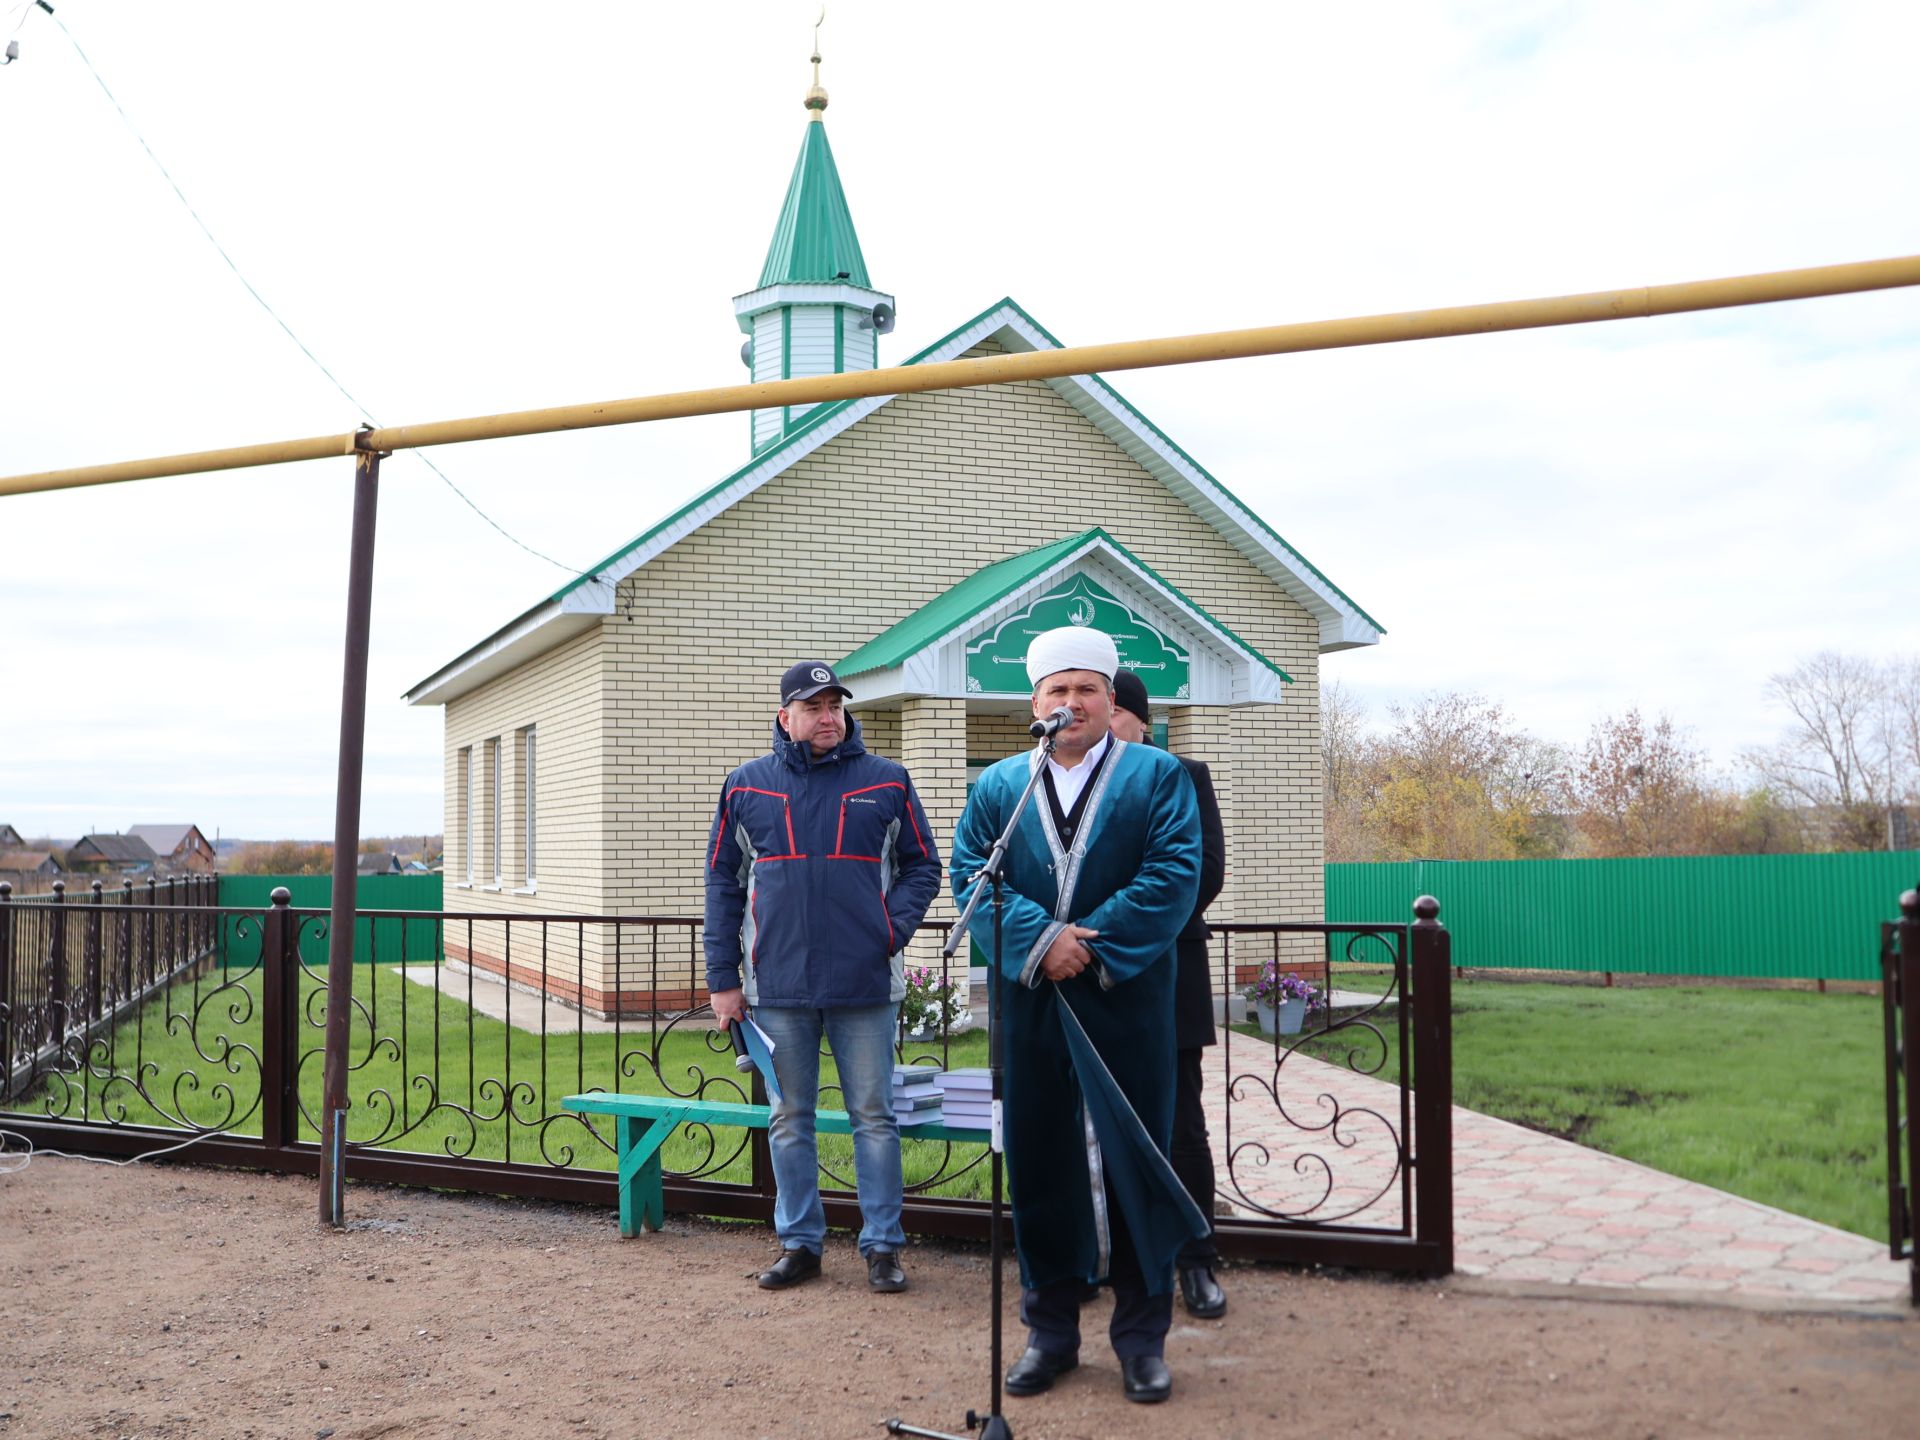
1528,1207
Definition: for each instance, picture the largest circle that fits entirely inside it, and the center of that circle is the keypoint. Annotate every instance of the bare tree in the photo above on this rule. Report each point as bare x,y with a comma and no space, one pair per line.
1638,787
1903,723
1838,753
1343,756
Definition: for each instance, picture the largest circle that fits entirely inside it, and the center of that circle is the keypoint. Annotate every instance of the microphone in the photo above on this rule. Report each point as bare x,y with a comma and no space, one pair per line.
742,1061
1057,721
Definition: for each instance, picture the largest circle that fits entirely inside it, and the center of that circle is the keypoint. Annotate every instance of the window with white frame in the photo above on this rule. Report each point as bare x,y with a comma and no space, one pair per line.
526,802
464,783
494,810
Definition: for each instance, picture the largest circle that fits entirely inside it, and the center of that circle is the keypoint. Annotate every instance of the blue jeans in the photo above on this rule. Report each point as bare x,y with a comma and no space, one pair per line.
862,1041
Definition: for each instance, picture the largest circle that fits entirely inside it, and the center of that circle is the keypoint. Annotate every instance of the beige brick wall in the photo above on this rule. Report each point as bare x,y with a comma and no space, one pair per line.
939,485
871,526
932,733
879,729
561,695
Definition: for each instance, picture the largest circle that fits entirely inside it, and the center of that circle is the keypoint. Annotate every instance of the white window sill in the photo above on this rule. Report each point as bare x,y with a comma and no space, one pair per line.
527,890
463,884
490,889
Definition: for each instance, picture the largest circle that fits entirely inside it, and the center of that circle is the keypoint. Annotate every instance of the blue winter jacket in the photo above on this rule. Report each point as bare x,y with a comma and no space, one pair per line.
819,869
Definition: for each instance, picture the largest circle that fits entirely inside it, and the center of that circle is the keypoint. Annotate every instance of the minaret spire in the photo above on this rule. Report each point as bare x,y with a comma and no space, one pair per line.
817,97
815,311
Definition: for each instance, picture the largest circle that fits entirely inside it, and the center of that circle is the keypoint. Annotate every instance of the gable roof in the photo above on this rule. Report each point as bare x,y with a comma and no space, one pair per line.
579,605
119,849
165,839
26,862
945,616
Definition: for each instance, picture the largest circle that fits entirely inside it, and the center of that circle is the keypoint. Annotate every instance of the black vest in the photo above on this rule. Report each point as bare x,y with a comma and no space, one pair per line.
1066,823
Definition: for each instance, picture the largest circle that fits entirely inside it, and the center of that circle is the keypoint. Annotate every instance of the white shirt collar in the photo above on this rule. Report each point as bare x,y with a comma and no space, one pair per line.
1068,783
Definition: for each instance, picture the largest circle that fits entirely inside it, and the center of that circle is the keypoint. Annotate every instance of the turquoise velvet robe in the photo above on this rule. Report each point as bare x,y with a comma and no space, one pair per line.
1089,1063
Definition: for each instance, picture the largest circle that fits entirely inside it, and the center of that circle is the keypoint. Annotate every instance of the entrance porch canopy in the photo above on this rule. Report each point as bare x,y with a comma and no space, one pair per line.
971,643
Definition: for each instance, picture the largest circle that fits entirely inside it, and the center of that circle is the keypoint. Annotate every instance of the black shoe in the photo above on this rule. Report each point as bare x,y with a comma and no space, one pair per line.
884,1272
1204,1298
1036,1371
1145,1379
793,1267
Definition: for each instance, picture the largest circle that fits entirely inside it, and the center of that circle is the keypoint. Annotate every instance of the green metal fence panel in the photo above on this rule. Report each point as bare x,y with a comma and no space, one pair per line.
1812,917
391,941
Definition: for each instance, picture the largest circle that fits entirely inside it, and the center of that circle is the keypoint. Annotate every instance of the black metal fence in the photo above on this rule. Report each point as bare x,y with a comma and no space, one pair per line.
72,968
467,1030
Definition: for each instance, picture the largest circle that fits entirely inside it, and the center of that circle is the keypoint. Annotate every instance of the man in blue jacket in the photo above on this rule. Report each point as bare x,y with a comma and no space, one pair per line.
820,865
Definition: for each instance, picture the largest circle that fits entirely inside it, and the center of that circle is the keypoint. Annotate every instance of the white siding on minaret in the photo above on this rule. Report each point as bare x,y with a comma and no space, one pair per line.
766,366
811,350
857,343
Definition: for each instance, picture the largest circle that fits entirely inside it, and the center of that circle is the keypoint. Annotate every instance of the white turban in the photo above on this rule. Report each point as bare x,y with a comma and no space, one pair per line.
1071,647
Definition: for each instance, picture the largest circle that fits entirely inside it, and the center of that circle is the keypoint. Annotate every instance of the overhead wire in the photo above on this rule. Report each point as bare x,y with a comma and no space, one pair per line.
365,413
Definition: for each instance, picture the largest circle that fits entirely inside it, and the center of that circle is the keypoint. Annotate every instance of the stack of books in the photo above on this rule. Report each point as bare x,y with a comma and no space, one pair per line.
916,1094
967,1099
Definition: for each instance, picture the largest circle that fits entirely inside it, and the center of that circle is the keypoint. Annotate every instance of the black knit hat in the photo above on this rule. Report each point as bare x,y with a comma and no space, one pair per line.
1129,693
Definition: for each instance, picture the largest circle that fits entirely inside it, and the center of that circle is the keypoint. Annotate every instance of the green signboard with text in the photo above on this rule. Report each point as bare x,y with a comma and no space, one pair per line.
997,660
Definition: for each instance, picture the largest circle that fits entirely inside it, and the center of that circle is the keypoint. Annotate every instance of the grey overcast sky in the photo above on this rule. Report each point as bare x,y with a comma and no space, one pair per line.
464,208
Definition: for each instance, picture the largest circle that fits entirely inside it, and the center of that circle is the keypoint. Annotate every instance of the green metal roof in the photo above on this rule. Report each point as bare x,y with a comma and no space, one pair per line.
986,588
980,591
814,240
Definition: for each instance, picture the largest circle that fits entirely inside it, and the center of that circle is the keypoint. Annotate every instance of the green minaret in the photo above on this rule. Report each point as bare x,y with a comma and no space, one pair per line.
814,311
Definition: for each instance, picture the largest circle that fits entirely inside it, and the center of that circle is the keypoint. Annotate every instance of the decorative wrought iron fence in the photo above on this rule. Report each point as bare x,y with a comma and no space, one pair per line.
468,1029
71,969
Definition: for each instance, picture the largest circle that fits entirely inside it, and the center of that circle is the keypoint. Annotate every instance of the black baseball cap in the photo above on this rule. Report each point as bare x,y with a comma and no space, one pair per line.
1130,693
807,679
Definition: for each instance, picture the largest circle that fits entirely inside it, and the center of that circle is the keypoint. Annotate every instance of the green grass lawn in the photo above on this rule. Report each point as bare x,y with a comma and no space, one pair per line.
1775,1095
449,1097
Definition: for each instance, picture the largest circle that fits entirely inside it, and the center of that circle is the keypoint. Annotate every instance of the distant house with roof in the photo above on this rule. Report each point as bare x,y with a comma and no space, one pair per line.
103,854
180,848
23,865
916,542
10,839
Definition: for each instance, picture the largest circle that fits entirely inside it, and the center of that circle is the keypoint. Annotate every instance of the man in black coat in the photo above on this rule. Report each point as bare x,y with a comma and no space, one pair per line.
1192,1152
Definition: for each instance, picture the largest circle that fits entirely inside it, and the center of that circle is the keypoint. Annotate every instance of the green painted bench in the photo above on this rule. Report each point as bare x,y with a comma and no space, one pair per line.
643,1122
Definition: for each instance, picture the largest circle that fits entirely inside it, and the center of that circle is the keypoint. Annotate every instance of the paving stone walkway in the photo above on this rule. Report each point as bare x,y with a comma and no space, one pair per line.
1529,1208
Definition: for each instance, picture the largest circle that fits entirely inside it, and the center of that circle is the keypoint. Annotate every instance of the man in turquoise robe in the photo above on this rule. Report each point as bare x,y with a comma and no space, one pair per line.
1100,877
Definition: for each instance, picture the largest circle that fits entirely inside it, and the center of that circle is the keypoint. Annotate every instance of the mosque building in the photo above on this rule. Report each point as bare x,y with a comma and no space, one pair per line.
916,543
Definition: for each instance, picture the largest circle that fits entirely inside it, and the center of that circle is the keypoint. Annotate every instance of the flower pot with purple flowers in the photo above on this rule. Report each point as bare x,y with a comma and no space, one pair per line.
1283,1001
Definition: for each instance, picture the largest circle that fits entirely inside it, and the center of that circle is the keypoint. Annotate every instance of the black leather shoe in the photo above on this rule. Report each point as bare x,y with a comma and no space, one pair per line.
1145,1379
1201,1293
1036,1371
884,1272
793,1267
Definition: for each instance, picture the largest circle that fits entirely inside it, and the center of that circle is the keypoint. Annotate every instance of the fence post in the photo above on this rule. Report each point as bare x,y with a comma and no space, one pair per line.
126,937
152,930
279,1013
1909,929
95,941
1433,1081
6,989
56,986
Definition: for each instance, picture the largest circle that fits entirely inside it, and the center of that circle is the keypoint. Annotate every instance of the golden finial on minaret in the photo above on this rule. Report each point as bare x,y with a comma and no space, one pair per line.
817,97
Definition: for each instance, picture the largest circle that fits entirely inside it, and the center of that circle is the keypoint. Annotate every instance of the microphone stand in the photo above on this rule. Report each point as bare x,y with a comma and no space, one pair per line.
993,1425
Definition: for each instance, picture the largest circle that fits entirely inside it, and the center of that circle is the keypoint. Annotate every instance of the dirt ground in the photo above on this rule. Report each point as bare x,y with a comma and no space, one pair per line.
169,1301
